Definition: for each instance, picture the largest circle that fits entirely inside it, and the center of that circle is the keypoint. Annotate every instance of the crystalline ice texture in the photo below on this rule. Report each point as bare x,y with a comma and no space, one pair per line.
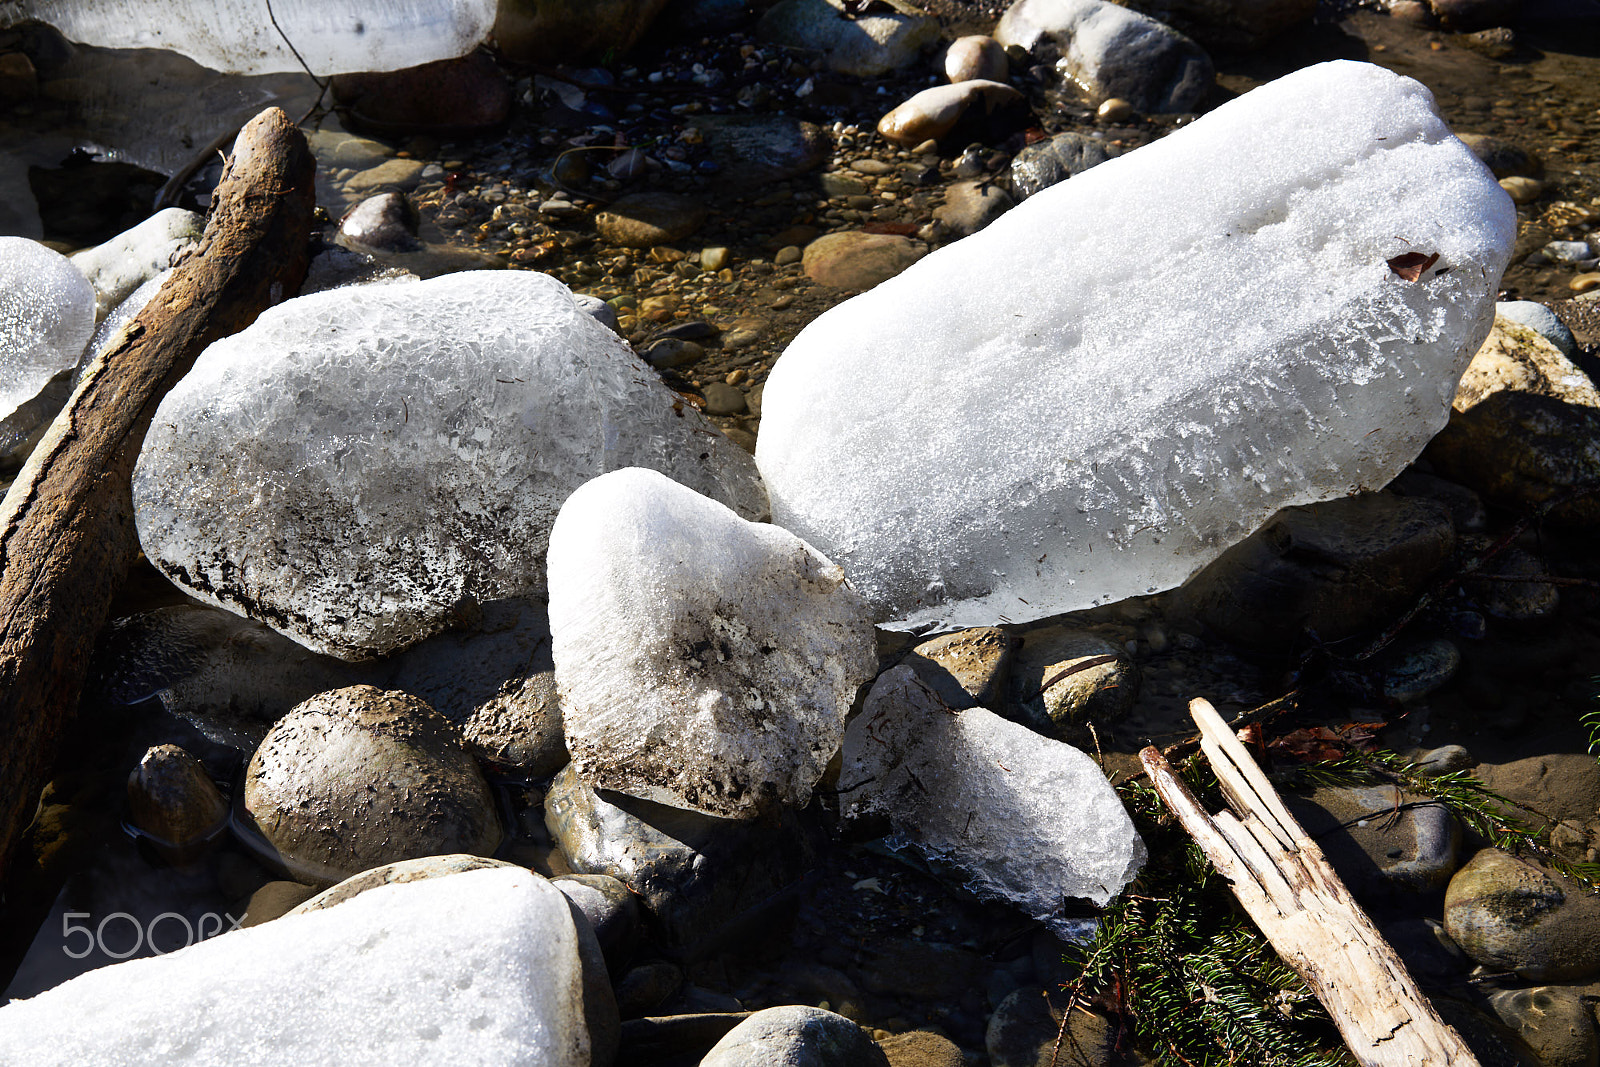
358,464
478,967
46,319
237,36
1026,819
1102,391
702,661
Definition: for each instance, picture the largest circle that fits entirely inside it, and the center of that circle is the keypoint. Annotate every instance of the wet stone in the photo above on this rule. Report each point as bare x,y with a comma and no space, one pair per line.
795,1036
1045,163
966,668
1504,158
723,399
970,110
644,220
970,206
670,352
859,261
699,877
357,778
383,223
1065,678
397,174
1022,1032
1523,190
1416,671
1381,845
756,150
976,58
1511,915
611,909
1556,1022
174,802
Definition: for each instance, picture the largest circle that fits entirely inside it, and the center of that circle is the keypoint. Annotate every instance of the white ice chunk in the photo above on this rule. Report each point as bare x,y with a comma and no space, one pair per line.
1025,819
479,967
248,37
1099,393
46,319
358,463
702,661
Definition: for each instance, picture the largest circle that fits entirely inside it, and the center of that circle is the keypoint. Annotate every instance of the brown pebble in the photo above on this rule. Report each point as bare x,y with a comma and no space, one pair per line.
1115,110
736,376
1583,283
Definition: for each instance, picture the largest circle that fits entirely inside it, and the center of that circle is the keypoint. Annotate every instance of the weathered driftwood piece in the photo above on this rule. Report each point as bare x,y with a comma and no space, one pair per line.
1286,885
66,526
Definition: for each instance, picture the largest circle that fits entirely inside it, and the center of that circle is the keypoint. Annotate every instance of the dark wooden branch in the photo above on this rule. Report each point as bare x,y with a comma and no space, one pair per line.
67,537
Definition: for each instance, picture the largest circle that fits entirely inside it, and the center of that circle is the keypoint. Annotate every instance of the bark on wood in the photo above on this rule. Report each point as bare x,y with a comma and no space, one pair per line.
1286,885
66,526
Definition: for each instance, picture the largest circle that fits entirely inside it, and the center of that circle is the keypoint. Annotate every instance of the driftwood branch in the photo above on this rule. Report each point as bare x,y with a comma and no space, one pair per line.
1288,888
67,537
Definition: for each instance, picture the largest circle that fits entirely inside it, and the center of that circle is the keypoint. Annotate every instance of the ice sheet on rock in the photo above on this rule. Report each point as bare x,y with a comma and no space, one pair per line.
238,36
359,466
46,319
1025,819
702,661
1096,395
478,967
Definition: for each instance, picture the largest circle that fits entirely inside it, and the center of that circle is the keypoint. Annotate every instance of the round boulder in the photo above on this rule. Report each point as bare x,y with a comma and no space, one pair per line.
359,777
795,1036
1510,915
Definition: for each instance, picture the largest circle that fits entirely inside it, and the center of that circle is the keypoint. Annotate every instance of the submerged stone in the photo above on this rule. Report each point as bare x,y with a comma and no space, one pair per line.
1019,425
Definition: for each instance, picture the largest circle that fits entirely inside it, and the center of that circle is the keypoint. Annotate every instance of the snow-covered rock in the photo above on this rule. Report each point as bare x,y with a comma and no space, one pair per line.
234,36
359,466
1096,395
478,967
46,319
1024,819
1109,52
703,661
126,262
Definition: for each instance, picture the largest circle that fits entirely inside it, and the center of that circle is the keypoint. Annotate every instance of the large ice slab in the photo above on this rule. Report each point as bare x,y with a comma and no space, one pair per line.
1096,395
46,319
1022,818
360,466
702,661
479,967
237,36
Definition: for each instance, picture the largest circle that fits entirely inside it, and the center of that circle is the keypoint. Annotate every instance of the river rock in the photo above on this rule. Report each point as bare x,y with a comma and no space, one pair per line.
360,466
880,40
966,668
921,1048
1026,1031
1504,158
1040,477
383,223
701,879
47,315
1230,25
1381,844
481,967
496,683
1331,570
703,661
976,58
1511,915
971,790
1560,786
856,260
1110,51
1541,320
1464,15
970,206
357,778
644,220
392,174
795,1036
611,910
451,97
1050,162
398,873
1065,678
969,110
173,801
755,150
1525,427
122,264
1556,1022
568,31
